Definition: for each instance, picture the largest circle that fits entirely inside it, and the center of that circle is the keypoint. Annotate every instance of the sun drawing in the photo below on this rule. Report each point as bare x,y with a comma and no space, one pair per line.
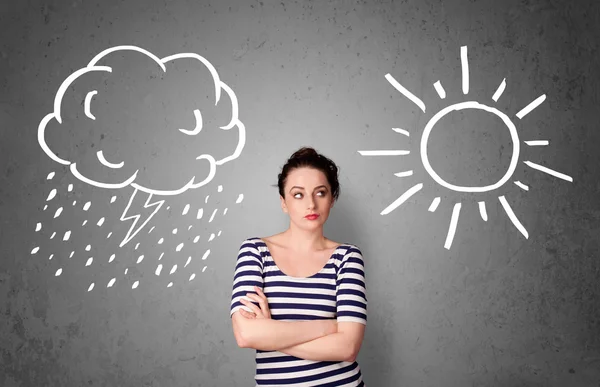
424,158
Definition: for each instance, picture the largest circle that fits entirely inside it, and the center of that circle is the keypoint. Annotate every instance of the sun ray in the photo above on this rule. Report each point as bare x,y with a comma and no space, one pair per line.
521,185
452,228
440,90
512,216
401,131
410,192
527,109
384,153
499,91
434,204
465,69
537,142
404,173
405,92
482,211
549,171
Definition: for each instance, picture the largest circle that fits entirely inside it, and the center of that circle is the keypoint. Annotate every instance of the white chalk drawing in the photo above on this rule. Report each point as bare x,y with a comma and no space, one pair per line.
92,66
139,218
437,178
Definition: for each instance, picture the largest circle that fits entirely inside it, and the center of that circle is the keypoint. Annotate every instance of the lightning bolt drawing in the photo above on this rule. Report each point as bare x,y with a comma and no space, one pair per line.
133,230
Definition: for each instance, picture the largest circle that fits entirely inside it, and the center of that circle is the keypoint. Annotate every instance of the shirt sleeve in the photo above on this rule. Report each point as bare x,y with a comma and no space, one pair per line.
351,294
248,273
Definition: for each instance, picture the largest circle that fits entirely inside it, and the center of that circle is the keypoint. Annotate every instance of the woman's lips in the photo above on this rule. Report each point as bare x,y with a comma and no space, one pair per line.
312,217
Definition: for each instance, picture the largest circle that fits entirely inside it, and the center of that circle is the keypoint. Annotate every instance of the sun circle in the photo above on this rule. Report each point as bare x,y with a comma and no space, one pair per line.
470,105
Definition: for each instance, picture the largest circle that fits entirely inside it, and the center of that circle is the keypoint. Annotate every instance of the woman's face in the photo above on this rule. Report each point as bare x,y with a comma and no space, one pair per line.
307,191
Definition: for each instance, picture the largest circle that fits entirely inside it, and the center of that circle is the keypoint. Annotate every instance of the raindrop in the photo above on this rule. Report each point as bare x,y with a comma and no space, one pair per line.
204,268
173,269
219,233
136,246
220,188
225,211
35,250
51,195
206,199
100,222
53,235
86,206
188,261
151,229
126,270
57,213
67,236
161,240
38,227
112,258
91,287
168,207
72,252
88,248
51,255
45,207
179,247
170,284
189,227
84,222
212,236
135,284
109,234
192,276
161,255
140,258
89,261
175,231
70,187
74,202
111,283
205,255
197,238
239,199
212,216
186,209
158,269
200,213
50,176
58,272
112,200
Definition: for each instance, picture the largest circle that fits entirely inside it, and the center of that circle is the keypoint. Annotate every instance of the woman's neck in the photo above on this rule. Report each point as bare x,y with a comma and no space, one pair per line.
304,241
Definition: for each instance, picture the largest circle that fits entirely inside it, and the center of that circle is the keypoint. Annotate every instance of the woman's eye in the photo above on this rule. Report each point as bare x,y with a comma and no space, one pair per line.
299,195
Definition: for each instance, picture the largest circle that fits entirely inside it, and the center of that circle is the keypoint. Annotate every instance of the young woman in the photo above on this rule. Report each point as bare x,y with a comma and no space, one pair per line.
299,298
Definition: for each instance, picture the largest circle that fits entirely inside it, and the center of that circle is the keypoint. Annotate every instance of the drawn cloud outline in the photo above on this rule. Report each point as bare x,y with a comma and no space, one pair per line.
93,67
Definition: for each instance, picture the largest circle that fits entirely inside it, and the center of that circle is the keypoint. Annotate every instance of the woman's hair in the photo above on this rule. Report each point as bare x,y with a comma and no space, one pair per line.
308,157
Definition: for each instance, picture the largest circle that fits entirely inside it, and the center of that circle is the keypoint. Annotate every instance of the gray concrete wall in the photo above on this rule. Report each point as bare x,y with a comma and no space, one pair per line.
493,309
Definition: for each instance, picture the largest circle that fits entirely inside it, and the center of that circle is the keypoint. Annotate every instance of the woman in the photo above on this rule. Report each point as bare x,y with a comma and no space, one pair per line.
299,298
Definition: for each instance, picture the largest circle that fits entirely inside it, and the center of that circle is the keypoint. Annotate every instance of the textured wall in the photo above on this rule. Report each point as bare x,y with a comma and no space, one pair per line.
493,309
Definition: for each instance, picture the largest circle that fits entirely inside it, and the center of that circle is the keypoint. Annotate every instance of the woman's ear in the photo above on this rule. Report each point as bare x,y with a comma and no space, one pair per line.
283,206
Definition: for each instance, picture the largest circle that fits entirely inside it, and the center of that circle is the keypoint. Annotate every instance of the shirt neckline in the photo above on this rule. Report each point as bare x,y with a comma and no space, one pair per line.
300,278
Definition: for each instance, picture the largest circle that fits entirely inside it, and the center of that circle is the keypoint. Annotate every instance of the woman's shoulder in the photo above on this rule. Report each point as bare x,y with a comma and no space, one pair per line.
351,250
253,241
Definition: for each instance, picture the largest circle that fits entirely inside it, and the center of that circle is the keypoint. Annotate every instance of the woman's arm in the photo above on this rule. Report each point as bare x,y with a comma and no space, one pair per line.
340,346
273,335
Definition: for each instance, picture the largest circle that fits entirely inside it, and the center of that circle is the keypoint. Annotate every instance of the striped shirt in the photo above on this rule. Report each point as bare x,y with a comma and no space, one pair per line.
337,291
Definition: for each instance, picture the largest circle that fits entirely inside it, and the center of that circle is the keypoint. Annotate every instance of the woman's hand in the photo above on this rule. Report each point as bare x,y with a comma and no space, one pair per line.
263,312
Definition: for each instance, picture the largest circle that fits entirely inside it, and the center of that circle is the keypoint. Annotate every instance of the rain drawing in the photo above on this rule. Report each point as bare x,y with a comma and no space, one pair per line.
144,141
429,127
